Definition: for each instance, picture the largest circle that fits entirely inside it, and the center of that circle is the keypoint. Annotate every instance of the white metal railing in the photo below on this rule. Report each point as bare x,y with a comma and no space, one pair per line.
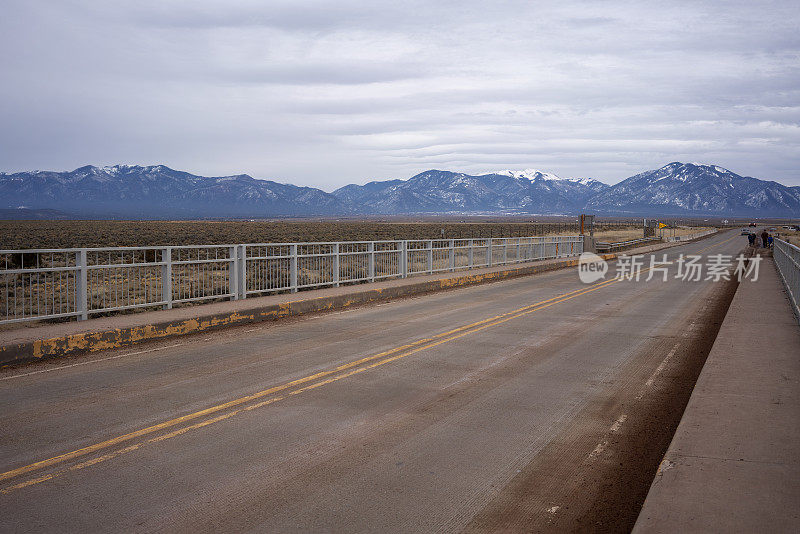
690,237
608,247
79,282
787,260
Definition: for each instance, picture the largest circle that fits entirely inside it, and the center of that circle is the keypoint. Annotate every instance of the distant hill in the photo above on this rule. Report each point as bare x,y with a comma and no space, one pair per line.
158,192
23,214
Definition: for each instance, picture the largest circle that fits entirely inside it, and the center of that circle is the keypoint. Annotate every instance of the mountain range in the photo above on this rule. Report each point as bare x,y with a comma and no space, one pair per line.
124,191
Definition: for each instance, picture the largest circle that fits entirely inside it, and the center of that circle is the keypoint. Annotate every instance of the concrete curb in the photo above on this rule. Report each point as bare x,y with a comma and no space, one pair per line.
88,342
732,465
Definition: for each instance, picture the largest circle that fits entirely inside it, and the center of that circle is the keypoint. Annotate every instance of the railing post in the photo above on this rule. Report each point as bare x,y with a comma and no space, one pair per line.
82,288
242,271
166,277
404,259
233,272
430,256
336,265
505,251
470,244
519,249
489,253
293,268
452,255
371,261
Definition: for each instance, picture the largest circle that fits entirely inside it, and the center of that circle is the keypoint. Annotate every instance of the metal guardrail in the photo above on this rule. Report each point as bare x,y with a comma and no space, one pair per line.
689,237
610,247
787,260
79,282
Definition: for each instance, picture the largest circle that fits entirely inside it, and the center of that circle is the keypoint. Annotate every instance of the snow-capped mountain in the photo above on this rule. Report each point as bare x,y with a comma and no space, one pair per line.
447,191
699,189
535,175
160,192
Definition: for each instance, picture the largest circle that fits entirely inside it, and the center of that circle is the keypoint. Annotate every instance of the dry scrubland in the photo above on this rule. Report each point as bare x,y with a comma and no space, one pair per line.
792,236
69,234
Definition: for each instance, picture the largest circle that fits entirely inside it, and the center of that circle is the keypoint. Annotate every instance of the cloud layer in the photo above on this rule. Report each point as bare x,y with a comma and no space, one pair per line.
328,93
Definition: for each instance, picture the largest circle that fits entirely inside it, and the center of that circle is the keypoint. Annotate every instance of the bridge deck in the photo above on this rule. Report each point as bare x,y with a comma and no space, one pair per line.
536,402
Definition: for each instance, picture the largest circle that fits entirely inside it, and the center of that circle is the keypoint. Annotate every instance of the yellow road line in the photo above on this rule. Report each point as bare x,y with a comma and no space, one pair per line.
394,354
458,333
236,402
718,244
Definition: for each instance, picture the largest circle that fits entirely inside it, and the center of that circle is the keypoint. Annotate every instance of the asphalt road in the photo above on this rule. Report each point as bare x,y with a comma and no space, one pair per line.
413,415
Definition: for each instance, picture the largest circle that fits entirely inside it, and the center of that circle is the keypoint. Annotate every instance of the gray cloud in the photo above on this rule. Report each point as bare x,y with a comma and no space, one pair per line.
326,93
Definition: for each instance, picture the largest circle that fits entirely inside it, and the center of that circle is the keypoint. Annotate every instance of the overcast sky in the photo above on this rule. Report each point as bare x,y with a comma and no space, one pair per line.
329,93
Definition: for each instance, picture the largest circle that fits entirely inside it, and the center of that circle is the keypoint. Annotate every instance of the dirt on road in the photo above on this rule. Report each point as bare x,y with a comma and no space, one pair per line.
595,476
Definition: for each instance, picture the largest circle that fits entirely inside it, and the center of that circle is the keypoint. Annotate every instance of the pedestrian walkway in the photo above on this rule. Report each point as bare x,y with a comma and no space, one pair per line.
734,462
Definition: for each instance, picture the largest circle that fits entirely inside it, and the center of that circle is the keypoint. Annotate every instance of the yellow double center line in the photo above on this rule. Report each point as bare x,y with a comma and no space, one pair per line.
280,392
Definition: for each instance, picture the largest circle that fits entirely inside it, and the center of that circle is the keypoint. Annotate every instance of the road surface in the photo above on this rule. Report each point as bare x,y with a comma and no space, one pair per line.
524,404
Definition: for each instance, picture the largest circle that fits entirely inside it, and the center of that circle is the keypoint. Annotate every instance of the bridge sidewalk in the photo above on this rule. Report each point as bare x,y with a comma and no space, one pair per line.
734,462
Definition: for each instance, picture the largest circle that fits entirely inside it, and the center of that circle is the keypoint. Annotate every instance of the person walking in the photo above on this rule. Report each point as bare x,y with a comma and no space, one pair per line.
769,241
764,239
751,238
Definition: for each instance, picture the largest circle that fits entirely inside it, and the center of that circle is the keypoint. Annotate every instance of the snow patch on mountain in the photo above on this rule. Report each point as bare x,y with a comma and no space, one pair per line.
536,175
528,174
